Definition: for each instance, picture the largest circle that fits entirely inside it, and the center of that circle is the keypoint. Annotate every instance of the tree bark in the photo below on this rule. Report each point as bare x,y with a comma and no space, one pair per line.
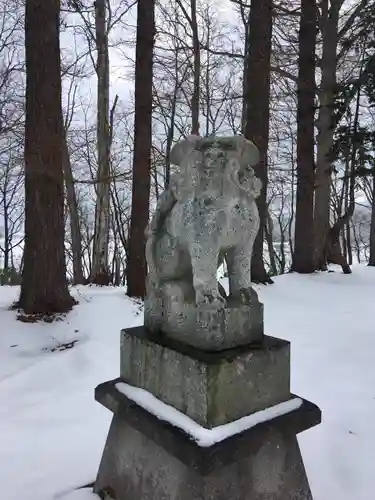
136,265
257,105
268,228
195,100
334,254
44,282
100,272
371,261
196,66
6,249
75,231
303,257
325,126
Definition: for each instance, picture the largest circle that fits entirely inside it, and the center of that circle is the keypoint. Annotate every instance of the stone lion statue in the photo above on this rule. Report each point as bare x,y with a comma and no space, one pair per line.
207,214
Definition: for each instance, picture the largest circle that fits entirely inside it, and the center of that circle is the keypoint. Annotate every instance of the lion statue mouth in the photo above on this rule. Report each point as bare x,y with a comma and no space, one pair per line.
207,215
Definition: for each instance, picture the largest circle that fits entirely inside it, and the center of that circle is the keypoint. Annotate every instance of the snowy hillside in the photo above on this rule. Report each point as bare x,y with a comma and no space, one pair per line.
52,431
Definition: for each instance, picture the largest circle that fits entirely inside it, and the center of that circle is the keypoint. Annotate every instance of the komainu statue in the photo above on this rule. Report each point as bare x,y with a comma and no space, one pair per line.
207,215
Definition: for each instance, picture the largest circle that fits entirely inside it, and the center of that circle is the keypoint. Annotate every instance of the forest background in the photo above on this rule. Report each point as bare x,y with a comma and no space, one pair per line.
81,166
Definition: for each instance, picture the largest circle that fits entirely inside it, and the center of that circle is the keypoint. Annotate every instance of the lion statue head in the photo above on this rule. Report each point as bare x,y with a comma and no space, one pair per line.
215,163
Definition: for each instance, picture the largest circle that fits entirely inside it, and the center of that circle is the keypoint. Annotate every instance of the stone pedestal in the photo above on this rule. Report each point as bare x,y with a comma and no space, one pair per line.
212,388
147,459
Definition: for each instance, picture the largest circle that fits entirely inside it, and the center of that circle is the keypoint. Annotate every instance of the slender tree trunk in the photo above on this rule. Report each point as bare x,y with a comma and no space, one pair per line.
195,100
44,283
207,85
136,265
173,104
269,238
325,126
244,79
344,202
290,223
349,244
371,261
303,257
333,248
282,249
100,271
6,233
170,136
357,245
334,253
75,230
257,103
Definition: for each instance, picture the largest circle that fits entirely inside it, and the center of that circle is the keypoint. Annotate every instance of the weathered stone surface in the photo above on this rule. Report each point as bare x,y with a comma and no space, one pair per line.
209,329
145,458
207,215
212,388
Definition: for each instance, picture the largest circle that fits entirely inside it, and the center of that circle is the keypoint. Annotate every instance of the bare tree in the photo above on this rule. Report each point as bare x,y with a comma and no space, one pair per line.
303,261
44,284
98,21
195,98
71,195
11,205
99,272
371,261
136,266
329,21
75,231
257,105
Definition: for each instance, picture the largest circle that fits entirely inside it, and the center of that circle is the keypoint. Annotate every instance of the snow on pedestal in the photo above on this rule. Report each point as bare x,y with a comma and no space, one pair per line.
202,436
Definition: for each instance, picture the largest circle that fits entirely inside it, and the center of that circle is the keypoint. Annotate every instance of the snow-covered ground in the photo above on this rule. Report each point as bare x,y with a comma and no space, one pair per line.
52,432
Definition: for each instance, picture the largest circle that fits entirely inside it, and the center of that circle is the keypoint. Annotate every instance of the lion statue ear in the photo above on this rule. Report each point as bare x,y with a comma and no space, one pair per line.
248,151
183,148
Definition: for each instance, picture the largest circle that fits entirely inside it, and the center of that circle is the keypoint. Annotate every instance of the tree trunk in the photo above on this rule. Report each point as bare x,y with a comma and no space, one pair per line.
195,100
257,104
334,254
136,265
268,228
292,195
325,126
344,202
357,244
196,66
44,283
349,244
75,230
303,257
6,233
100,272
245,76
170,136
371,261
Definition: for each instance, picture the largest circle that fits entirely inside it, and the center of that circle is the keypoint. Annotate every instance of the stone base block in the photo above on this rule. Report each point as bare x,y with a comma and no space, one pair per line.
145,458
206,328
212,388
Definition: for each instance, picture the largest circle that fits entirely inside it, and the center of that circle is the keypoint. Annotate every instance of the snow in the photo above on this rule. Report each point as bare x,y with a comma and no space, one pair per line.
79,494
204,437
52,432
